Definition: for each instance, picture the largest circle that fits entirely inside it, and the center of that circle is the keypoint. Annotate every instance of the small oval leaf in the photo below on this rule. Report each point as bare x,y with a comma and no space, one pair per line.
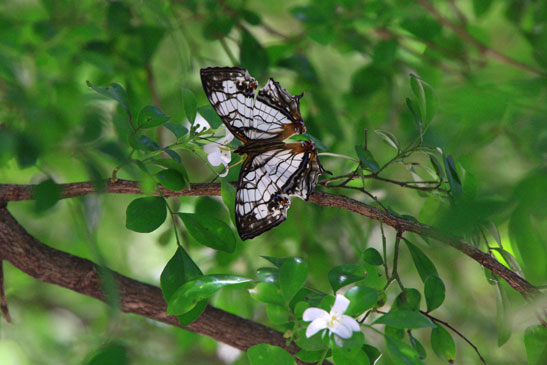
434,292
193,291
146,214
292,276
209,231
404,319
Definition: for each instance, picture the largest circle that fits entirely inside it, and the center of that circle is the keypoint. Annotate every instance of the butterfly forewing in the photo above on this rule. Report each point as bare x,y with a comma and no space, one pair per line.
275,114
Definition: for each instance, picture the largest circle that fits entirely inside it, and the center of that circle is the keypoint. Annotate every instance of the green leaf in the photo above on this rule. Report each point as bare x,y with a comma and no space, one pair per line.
190,316
173,165
313,343
417,345
372,352
190,104
405,319
143,143
171,179
113,91
389,138
210,115
361,298
423,264
110,354
309,356
401,352
407,300
292,276
202,287
511,261
176,129
180,269
266,292
269,354
210,232
251,17
372,257
277,261
252,55
427,99
343,275
434,292
46,194
414,109
151,116
442,344
146,214
436,166
366,158
503,320
268,274
349,356
535,342
277,314
228,194
452,175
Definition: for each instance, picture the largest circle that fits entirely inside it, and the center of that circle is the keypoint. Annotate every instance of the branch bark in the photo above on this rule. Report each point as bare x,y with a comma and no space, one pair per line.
80,275
13,192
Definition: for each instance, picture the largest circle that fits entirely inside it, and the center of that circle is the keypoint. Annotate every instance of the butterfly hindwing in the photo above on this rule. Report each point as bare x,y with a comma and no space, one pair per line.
268,179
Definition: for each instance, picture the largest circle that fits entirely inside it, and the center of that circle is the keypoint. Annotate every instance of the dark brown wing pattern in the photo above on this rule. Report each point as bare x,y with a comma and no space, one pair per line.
273,171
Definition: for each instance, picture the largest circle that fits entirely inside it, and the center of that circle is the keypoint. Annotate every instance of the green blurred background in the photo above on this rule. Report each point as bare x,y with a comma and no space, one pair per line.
352,60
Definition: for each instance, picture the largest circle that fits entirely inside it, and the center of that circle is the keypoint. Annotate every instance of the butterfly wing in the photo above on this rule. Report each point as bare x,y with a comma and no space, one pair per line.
231,92
268,179
275,115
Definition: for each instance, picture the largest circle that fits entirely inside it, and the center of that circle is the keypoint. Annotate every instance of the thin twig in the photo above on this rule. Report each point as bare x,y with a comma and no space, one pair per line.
434,319
482,48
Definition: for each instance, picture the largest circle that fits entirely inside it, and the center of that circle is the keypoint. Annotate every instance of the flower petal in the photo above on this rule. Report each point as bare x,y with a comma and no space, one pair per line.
211,147
351,323
227,138
226,156
339,342
201,124
316,326
340,305
341,330
312,313
214,158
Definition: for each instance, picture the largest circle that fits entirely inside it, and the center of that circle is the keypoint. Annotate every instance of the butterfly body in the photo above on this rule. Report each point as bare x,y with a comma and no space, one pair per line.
273,170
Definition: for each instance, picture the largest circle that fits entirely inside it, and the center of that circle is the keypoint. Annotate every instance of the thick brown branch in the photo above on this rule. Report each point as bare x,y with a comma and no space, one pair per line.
52,266
10,192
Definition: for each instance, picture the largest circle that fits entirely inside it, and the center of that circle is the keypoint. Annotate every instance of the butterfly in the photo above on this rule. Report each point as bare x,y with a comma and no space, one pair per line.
273,171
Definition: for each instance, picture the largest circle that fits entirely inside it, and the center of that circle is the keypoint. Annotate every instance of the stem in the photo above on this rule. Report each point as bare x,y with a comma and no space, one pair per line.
455,331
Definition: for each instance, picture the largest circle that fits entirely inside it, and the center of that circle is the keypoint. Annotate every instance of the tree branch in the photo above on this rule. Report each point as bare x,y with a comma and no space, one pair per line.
482,48
80,275
13,192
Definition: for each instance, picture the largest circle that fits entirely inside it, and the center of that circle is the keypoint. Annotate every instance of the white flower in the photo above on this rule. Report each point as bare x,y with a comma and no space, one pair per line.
341,325
201,124
218,153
